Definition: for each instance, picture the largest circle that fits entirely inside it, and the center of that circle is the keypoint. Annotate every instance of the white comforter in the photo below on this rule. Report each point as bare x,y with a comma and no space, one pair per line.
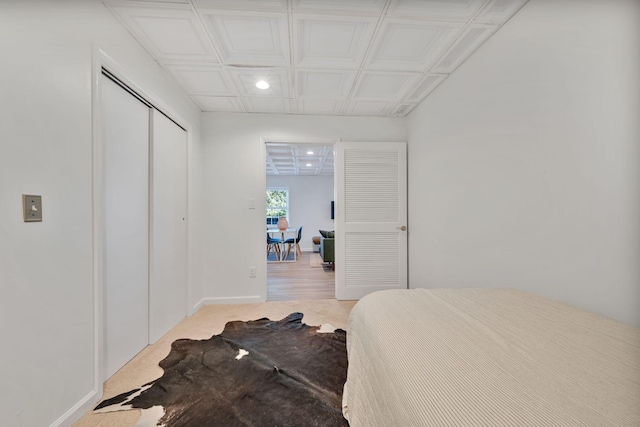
487,357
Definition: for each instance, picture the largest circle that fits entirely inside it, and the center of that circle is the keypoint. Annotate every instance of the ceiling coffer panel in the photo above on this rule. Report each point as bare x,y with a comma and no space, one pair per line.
219,103
329,107
263,5
202,79
351,7
384,86
331,57
411,45
331,42
151,1
267,105
455,10
369,108
170,32
279,80
324,84
244,38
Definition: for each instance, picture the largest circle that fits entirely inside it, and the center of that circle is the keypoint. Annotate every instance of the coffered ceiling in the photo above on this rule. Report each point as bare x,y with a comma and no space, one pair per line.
299,159
329,57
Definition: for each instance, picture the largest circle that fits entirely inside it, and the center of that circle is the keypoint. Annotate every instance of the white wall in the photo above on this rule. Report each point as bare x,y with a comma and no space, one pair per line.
309,204
235,171
46,276
523,165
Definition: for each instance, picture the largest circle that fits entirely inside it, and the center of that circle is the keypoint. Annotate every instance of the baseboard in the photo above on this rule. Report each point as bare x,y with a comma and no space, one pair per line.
78,410
196,307
232,300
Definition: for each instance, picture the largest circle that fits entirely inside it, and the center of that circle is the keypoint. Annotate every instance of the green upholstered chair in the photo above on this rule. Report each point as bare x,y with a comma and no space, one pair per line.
327,249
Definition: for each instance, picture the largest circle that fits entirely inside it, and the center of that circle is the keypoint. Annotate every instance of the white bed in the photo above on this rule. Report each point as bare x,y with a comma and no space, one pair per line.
487,357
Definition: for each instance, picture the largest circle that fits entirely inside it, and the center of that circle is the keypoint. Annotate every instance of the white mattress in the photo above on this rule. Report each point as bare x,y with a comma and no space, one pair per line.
487,357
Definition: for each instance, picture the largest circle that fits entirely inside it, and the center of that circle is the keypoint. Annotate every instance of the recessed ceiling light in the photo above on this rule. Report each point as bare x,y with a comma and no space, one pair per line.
262,85
308,164
309,152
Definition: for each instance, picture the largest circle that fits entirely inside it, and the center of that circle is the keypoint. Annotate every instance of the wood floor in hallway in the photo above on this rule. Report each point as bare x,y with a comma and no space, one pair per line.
290,281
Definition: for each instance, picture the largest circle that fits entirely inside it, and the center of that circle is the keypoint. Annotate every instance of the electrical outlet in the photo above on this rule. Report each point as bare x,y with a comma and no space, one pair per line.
252,272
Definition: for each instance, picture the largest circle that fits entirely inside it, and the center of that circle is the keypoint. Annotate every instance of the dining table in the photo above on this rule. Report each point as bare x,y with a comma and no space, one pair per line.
274,232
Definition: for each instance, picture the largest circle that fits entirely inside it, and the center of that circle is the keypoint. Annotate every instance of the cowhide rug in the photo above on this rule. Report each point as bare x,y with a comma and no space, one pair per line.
258,373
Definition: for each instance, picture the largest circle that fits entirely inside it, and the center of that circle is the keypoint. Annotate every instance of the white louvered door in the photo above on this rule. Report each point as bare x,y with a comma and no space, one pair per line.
371,220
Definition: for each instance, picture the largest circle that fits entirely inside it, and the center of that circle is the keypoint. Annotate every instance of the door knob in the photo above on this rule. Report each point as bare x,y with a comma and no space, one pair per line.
403,228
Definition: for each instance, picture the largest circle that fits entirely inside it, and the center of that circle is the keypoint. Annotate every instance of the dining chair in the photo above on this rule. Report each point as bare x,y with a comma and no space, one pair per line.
294,241
273,244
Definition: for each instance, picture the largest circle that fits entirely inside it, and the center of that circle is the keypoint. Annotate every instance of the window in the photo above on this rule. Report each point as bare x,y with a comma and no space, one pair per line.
277,204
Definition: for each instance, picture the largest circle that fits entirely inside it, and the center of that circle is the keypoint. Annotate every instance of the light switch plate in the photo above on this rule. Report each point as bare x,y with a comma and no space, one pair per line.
31,208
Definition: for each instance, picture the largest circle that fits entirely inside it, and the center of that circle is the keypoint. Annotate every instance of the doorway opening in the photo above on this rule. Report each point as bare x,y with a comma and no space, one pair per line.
300,190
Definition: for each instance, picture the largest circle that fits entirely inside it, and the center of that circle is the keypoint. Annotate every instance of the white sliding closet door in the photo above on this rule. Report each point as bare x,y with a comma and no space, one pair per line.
371,220
125,141
168,281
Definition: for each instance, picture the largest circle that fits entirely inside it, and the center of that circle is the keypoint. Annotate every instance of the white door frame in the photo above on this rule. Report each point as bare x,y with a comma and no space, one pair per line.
262,203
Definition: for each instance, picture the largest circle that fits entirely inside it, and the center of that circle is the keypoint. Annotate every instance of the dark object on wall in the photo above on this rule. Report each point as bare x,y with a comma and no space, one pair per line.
332,209
262,373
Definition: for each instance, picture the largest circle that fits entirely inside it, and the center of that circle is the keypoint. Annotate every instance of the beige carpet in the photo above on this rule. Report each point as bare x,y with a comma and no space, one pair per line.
208,321
315,260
